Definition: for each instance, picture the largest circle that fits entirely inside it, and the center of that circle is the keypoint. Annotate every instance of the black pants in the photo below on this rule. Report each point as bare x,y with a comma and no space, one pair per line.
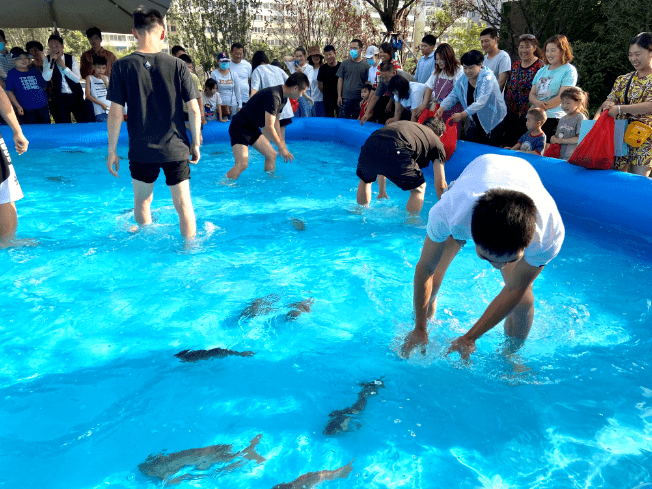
66,103
379,110
350,108
474,132
35,116
514,129
550,127
330,106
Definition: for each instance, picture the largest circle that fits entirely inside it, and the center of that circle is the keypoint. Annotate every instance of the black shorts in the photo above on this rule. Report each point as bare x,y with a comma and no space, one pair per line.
175,172
380,156
285,122
241,134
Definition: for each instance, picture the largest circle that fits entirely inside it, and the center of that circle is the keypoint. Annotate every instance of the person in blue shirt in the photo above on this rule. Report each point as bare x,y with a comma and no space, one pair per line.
479,93
26,90
426,63
534,140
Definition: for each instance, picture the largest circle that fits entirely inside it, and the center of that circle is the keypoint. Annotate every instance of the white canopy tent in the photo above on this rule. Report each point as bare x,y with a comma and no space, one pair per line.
107,15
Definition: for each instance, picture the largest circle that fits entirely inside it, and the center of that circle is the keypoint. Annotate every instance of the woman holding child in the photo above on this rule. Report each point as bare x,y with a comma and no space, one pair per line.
631,98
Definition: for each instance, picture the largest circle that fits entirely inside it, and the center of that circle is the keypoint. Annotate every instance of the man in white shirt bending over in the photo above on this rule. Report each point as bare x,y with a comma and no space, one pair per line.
241,69
495,59
500,203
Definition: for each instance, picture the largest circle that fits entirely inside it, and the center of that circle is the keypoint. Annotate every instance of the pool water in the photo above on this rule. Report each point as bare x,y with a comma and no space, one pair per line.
92,318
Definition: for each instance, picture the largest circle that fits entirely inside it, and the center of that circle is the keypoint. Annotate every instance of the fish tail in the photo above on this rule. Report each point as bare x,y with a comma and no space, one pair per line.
344,472
250,452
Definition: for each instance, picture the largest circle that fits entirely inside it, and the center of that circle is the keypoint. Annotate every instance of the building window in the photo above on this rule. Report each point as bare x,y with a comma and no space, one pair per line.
173,28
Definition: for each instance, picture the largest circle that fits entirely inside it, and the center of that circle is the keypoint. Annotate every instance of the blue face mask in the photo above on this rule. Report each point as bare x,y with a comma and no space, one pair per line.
2,46
353,53
225,66
371,61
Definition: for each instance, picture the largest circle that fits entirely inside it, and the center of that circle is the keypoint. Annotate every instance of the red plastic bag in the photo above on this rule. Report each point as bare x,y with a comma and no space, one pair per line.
553,151
449,139
427,114
295,104
596,150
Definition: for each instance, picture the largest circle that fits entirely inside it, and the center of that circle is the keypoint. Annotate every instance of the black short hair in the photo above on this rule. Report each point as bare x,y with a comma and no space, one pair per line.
176,49
490,31
33,44
99,60
400,85
55,37
503,221
388,48
258,58
329,47
145,19
297,80
437,125
237,45
387,66
93,31
360,43
2,34
186,59
429,39
277,63
210,83
473,57
643,40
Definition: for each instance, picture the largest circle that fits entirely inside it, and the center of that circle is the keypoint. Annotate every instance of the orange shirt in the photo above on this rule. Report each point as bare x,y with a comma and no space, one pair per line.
87,62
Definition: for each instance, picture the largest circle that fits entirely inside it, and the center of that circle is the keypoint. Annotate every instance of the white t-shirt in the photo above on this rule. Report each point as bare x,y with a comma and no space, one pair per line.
265,76
313,91
499,63
451,216
242,72
228,88
211,105
98,90
417,91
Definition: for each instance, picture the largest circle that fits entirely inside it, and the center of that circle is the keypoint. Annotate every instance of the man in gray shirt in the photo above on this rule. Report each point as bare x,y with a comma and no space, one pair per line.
352,74
495,59
381,105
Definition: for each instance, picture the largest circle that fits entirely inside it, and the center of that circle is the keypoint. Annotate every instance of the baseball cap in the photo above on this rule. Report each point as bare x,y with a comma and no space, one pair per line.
371,52
223,56
18,52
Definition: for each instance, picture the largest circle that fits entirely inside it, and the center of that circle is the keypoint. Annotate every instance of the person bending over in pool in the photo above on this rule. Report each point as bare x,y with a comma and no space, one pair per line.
9,187
398,151
262,111
500,203
154,85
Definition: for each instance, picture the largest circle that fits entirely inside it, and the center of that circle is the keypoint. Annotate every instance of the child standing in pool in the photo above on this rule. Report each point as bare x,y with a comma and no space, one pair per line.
573,102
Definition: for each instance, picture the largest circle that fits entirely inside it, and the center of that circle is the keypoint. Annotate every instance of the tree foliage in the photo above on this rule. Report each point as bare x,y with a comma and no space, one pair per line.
20,37
393,14
206,27
464,36
320,22
446,16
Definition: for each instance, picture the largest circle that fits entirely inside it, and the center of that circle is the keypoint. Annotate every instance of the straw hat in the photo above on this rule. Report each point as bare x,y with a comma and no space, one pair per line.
314,50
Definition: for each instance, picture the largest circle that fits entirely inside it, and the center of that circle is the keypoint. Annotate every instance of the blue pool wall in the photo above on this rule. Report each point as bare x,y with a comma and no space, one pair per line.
609,198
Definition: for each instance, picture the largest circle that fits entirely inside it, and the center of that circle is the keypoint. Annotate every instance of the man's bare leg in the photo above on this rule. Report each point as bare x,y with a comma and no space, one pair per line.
450,251
143,196
382,188
265,148
182,203
8,223
519,322
640,170
415,202
364,193
241,156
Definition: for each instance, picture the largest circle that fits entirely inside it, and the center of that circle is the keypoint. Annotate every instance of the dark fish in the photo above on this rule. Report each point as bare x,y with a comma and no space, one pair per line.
215,153
196,355
298,224
341,420
58,179
165,466
311,479
73,151
260,306
299,308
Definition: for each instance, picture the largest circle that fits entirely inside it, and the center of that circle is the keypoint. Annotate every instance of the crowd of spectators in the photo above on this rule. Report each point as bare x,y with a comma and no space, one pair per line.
487,94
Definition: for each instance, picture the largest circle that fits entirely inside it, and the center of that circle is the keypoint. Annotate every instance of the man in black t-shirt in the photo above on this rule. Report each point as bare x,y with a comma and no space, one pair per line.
262,111
327,81
9,187
398,151
154,85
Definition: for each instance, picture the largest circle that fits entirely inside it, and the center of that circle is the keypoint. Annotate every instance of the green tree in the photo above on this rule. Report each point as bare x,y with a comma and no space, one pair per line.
393,14
206,27
74,42
464,36
20,37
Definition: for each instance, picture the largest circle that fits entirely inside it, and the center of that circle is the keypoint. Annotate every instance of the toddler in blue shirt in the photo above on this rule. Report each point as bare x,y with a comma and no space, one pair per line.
533,141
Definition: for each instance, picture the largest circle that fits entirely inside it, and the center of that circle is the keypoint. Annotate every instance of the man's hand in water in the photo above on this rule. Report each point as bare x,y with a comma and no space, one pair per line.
286,155
113,160
20,142
415,338
464,346
194,151
365,118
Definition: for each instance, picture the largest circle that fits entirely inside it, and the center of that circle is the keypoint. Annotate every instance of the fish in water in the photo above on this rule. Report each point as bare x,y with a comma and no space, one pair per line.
215,153
341,420
73,151
298,308
164,466
196,355
311,479
260,306
58,179
298,224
